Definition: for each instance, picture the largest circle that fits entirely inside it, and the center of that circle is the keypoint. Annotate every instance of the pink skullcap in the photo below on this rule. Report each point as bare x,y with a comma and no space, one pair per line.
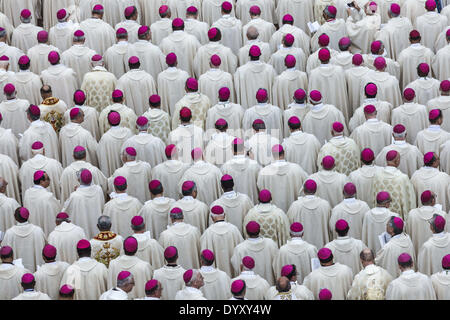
78,33
133,60
170,252
338,127
130,244
25,13
434,114
324,54
131,151
226,177
371,89
37,145
299,94
327,162
62,215
217,210
391,155
369,109
24,59
252,227
196,153
238,141
120,181
187,185
154,99
24,213
310,185
170,149
357,59
38,175
428,157
248,262
398,222
383,196
409,94
350,188
445,85
373,5
192,9
79,96
426,196
141,121
255,10
154,184
177,22
79,149
224,93
278,148
447,33
221,122
430,5
61,14
424,68
208,255
290,61
5,250
185,112
414,34
34,110
296,227
151,284
86,176
143,30
1,117
315,96
98,7
289,39
121,31
117,93
404,258
345,41
83,244
399,128
255,51
128,11
265,195
114,118
341,225
53,57
332,10
42,36
379,63
325,294
324,254
395,8
288,18
261,95
375,46
74,112
27,278
192,84
212,33
49,251
163,9
215,60
324,40
123,275
96,58
446,261
287,270
294,120
9,89
66,289
4,58
187,276
237,286
227,6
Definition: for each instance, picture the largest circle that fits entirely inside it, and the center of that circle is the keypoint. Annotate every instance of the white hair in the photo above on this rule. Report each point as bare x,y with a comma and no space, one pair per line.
297,234
195,272
399,135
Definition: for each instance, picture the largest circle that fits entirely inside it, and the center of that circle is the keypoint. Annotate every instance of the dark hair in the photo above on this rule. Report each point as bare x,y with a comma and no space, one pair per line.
25,66
178,28
157,104
33,116
252,58
207,262
7,256
394,227
69,295
134,65
251,234
294,126
79,155
367,95
139,227
38,181
74,99
129,253
122,187
433,224
432,121
227,185
121,36
117,100
293,272
367,162
188,192
152,291
238,148
415,38
46,89
18,217
218,36
132,14
240,292
258,126
342,233
158,190
221,128
186,119
330,258
84,252
407,264
227,11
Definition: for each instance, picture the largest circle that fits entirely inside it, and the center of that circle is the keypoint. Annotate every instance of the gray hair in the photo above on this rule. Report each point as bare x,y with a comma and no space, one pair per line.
144,127
297,234
3,33
104,223
367,255
177,216
252,33
79,39
127,156
399,135
195,273
124,282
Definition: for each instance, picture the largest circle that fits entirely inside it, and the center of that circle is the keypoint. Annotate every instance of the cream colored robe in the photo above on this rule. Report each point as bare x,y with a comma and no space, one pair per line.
219,149
425,88
301,39
411,159
395,34
411,285
263,251
122,208
160,29
383,108
345,152
13,8
150,56
387,256
216,284
231,29
115,294
28,86
352,211
39,131
72,135
256,286
189,293
371,282
295,146
141,270
50,9
362,179
353,77
285,85
361,29
138,174
373,134
62,80
132,28
441,102
169,173
99,34
27,242
346,251
185,46
441,284
9,145
98,86
25,36
413,116
243,53
148,148
439,69
431,138
90,122
270,114
149,250
267,10
429,260
259,147
116,58
296,251
374,224
32,295
48,278
10,172
300,291
265,29
428,178
186,239
159,124
88,277
195,212
171,279
335,29
171,84
127,117
108,151
114,10
388,87
301,11
65,238
445,157
337,278
155,213
249,78
212,81
10,279
409,58
313,213
13,54
85,206
198,103
5,77
38,55
232,113
429,25
201,63
61,35
7,207
329,185
211,10
148,13
343,59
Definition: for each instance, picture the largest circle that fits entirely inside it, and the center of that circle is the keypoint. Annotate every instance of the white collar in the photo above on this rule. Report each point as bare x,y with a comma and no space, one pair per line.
254,239
317,107
172,68
373,120
439,235
207,269
434,127
248,273
296,133
188,198
396,236
297,239
160,199
38,186
350,200
114,195
192,289
408,272
226,16
229,194
415,45
399,142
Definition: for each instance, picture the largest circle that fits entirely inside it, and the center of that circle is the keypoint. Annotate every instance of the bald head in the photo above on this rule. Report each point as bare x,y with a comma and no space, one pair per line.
283,284
367,257
3,184
252,33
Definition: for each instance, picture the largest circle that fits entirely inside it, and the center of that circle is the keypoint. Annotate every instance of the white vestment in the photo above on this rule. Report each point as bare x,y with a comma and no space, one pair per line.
387,256
169,173
98,85
171,278
65,238
122,208
155,213
48,278
108,151
99,34
39,131
411,285
302,148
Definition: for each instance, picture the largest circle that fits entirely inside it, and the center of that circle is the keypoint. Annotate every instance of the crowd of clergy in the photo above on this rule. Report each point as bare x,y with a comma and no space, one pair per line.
212,149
